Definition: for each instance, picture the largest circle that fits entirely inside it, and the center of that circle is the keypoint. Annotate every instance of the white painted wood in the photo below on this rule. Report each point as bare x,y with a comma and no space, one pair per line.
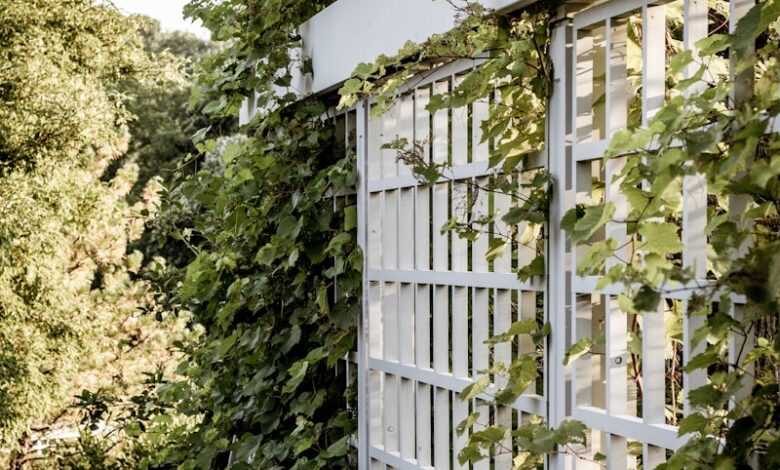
441,119
479,248
653,61
502,320
373,152
389,134
440,212
441,329
442,447
460,131
406,112
390,230
406,229
407,426
480,113
460,332
460,246
376,27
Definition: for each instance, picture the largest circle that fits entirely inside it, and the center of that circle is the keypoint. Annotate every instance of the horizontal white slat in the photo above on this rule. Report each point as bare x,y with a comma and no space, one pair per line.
533,404
631,427
462,172
672,290
587,151
465,279
605,10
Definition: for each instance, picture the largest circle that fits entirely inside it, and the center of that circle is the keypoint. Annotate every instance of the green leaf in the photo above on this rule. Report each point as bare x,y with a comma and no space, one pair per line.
476,388
537,267
660,238
692,423
577,350
582,223
297,373
646,299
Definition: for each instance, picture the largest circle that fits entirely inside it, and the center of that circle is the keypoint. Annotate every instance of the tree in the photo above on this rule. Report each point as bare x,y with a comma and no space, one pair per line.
70,295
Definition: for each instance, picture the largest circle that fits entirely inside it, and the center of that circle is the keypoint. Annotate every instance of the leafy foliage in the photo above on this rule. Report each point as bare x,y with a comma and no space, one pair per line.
71,295
275,281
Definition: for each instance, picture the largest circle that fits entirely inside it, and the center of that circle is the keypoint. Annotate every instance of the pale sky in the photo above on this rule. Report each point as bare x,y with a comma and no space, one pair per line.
168,12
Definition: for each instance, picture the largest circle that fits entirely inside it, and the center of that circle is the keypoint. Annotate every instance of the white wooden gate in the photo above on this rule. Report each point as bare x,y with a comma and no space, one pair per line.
431,299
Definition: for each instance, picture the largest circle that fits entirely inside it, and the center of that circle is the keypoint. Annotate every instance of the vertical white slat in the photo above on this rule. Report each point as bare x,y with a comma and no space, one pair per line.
696,24
440,214
376,405
360,124
374,223
406,229
422,329
480,324
441,329
422,336
480,356
376,336
617,452
479,247
390,230
406,127
502,320
503,451
652,456
653,329
584,370
557,297
389,134
583,87
440,127
460,247
422,211
460,132
526,235
391,353
460,365
742,92
503,262
654,61
460,411
406,421
373,154
422,228
654,366
483,408
441,431
440,209
743,81
527,308
406,328
422,124
616,325
480,112
617,76
460,332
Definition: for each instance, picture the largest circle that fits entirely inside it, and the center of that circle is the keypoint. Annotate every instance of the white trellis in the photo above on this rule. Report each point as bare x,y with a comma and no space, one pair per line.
431,299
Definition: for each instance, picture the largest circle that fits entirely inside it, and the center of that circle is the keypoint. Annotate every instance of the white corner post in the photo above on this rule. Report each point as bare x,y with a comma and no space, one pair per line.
362,359
558,288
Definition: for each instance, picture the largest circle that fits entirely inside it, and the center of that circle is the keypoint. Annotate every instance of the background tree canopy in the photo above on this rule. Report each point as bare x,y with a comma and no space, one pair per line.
93,108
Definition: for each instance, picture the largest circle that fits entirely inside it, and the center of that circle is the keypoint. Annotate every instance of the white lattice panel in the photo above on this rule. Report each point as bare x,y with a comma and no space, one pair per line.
433,298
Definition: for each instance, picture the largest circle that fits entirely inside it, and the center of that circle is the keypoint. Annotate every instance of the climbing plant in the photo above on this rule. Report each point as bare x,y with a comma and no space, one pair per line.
275,279
709,125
